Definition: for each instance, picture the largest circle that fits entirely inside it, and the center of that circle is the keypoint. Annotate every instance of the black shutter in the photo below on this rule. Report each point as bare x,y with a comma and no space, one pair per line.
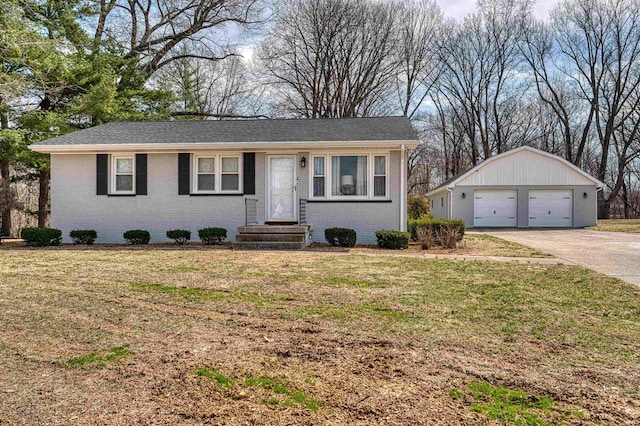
102,174
249,172
141,174
184,174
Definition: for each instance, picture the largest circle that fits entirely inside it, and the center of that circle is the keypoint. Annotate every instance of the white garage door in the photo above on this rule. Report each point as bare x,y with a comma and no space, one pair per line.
550,208
495,208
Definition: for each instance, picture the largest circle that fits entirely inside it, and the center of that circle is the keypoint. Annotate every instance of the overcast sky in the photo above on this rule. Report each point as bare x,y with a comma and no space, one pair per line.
460,8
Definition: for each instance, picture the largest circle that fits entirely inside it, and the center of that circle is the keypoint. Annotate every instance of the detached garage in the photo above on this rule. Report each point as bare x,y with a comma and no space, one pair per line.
521,188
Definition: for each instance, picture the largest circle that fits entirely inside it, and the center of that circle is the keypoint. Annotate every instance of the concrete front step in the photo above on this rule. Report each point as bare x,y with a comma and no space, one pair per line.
268,245
293,238
274,229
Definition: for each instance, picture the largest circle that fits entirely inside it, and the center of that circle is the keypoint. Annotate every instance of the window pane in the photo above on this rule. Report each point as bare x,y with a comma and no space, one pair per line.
230,182
349,175
206,165
379,165
124,165
124,183
229,165
318,166
379,186
318,186
206,182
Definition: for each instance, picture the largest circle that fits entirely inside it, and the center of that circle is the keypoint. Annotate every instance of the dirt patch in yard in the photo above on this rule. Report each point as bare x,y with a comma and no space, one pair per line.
222,337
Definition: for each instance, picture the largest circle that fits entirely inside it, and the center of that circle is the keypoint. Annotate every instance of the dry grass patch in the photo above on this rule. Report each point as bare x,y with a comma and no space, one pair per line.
473,244
617,225
228,337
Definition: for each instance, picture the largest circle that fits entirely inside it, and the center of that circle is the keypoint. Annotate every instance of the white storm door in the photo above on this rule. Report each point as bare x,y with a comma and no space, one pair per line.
495,208
281,203
551,208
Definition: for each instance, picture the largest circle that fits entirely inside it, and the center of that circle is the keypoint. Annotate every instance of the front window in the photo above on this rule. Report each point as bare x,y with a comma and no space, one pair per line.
318,177
123,171
379,176
214,174
230,174
349,175
206,174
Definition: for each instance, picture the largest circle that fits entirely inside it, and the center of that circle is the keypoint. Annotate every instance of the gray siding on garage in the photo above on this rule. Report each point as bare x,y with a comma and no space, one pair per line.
584,210
75,205
439,210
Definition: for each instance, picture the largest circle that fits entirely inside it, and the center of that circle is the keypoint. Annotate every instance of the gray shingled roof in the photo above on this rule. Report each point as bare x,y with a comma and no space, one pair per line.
210,131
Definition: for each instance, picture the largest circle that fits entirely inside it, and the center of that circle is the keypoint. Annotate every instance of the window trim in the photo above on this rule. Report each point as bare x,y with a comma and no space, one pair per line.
370,175
217,172
113,174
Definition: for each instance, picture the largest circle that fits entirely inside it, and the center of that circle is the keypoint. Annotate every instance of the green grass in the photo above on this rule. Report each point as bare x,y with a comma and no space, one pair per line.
278,387
100,359
215,375
509,406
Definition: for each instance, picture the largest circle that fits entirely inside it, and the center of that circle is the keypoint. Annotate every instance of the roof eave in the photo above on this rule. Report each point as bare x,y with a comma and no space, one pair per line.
173,147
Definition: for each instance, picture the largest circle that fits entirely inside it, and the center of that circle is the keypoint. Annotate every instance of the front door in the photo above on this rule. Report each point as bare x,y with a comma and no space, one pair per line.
281,205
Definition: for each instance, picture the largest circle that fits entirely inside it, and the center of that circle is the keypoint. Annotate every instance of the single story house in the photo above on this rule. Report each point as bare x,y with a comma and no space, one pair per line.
194,174
521,188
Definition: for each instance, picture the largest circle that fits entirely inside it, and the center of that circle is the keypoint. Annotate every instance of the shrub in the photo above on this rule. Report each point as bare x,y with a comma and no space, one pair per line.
137,236
417,207
425,237
444,232
83,236
212,235
41,237
340,237
394,240
413,225
180,236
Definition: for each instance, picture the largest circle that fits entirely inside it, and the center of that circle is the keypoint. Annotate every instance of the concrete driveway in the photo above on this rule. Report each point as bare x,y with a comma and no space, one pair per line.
616,254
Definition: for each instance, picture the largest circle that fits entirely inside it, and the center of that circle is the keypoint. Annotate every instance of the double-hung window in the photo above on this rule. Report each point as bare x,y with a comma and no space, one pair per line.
353,176
214,174
319,177
123,174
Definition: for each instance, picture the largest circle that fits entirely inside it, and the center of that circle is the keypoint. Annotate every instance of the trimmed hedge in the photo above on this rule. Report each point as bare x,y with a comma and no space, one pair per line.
137,236
41,237
412,226
83,236
394,240
340,237
212,235
180,236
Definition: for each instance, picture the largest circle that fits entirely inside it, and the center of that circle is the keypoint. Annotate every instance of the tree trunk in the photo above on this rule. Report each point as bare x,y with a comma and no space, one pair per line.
5,190
5,183
43,198
603,206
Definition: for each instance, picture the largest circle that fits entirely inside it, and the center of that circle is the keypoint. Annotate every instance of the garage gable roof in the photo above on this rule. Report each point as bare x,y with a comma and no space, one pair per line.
522,166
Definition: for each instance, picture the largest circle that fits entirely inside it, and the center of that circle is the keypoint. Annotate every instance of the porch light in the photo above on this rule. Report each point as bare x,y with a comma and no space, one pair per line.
303,162
585,195
464,195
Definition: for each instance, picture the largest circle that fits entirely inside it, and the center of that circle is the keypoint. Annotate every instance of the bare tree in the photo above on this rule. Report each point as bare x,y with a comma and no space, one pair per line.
333,58
421,29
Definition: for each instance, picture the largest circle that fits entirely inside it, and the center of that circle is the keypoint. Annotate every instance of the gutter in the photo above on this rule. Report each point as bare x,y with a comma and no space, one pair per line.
179,147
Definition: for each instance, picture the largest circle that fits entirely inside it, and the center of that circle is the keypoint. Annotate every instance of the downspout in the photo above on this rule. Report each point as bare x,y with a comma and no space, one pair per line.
450,210
403,190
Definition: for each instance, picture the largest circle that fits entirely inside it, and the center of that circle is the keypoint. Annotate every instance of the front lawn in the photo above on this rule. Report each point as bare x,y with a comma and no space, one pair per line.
182,335
617,225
